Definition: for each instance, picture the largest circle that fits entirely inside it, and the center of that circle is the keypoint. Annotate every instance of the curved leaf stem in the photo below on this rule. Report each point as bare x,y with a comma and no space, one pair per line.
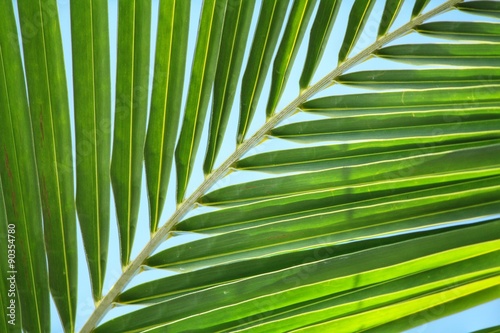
129,271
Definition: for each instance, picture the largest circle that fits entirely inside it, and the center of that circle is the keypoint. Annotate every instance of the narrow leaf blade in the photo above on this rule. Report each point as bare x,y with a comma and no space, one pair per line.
391,11
229,64
478,54
427,163
168,82
418,7
318,38
200,87
486,8
287,51
475,31
48,100
463,98
425,78
371,319
20,186
231,302
271,17
359,15
130,116
92,95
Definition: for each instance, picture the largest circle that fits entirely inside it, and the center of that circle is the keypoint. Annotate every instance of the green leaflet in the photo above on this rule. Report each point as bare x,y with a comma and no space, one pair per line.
414,165
339,223
166,98
324,157
234,39
92,94
318,38
424,78
261,212
416,285
48,102
179,284
494,329
486,8
455,130
289,46
463,98
476,31
358,17
241,299
200,87
130,116
391,11
418,7
478,54
390,202
208,273
375,317
435,310
271,17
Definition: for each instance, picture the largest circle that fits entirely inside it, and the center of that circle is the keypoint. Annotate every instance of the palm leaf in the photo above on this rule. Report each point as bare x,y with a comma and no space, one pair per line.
271,17
318,38
166,101
480,31
478,54
234,37
92,96
418,7
202,78
130,117
238,301
391,11
486,8
49,108
358,17
347,210
287,51
425,78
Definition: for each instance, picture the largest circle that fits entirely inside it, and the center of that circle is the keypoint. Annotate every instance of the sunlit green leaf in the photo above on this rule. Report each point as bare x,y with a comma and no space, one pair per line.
391,11
359,15
271,17
48,103
234,302
232,49
425,78
130,116
166,98
479,159
318,38
462,98
417,285
292,38
486,8
374,318
478,54
480,31
362,220
418,7
200,87
92,94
